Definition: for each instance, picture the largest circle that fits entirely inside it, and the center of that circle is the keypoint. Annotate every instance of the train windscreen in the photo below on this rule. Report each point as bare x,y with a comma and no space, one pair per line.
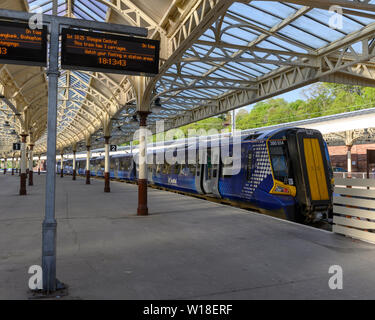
279,160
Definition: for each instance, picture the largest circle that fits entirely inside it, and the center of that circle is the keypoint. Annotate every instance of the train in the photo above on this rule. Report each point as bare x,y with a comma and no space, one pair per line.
285,171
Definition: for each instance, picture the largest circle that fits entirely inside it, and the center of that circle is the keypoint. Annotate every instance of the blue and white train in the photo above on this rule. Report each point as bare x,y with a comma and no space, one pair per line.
286,171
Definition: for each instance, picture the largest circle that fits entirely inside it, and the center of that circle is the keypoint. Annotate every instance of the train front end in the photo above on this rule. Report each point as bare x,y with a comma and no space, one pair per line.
300,168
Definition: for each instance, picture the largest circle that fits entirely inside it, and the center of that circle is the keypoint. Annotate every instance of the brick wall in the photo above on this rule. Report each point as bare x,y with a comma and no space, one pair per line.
359,156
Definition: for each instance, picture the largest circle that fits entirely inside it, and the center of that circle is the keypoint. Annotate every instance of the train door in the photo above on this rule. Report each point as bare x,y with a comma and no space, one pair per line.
215,172
198,175
207,172
310,167
198,178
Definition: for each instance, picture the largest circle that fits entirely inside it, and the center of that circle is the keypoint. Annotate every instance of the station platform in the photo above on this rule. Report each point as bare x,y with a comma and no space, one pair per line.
187,248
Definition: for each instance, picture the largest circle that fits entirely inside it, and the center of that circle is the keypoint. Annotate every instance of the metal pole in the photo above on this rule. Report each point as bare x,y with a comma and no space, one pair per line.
49,223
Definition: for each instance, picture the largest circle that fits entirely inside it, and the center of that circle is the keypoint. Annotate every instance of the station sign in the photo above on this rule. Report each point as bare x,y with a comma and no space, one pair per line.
103,52
21,45
113,147
16,146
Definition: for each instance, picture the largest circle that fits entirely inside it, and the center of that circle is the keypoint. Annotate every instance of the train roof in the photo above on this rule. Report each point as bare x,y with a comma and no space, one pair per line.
191,142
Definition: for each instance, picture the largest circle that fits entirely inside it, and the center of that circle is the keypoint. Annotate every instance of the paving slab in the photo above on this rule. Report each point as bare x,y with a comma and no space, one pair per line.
187,248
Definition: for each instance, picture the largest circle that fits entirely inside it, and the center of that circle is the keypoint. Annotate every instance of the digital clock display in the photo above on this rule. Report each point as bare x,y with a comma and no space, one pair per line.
21,45
95,51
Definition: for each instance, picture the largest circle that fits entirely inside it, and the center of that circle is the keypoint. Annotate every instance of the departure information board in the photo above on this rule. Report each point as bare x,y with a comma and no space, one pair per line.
95,51
21,45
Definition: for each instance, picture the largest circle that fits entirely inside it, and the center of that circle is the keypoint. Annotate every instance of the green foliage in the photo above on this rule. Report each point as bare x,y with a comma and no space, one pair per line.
216,123
322,99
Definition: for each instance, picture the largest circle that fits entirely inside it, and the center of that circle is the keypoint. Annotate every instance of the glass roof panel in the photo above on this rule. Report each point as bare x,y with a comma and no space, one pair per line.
294,33
267,25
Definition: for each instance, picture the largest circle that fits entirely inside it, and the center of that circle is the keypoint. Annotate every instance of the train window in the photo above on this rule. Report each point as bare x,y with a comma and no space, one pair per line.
249,165
112,165
280,167
279,161
172,169
166,168
192,168
116,164
184,170
214,173
122,165
176,169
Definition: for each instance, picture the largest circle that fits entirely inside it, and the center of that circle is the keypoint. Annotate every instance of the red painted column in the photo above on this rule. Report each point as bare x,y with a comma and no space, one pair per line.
39,163
62,166
74,165
27,159
31,181
142,177
88,166
107,187
23,166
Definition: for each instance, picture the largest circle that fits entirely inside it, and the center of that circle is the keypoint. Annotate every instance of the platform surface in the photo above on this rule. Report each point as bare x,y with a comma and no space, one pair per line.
187,248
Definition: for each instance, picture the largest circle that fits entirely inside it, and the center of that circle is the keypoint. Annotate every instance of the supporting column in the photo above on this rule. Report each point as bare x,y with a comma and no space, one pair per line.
62,165
88,165
5,165
142,177
23,166
106,166
27,166
39,164
31,182
74,165
49,223
12,166
349,156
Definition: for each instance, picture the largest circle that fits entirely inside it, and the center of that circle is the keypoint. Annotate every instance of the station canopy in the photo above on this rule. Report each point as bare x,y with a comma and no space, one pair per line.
215,56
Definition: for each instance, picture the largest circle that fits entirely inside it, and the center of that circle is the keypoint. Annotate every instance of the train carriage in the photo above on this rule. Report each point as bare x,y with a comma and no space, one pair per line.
285,170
